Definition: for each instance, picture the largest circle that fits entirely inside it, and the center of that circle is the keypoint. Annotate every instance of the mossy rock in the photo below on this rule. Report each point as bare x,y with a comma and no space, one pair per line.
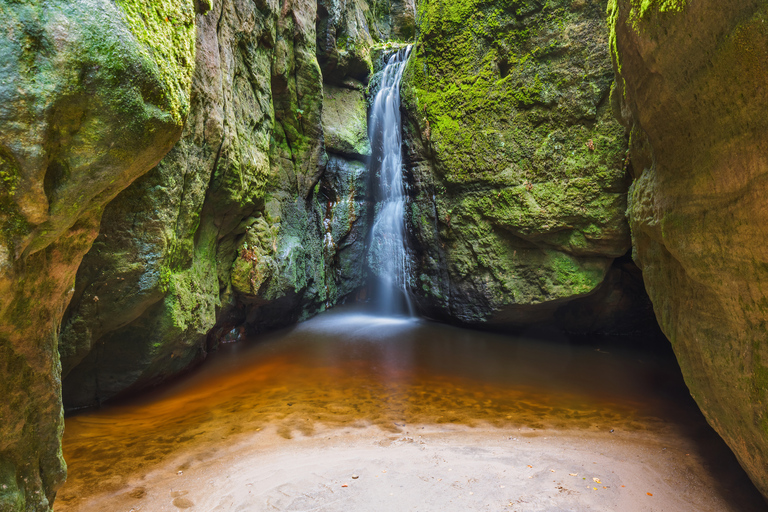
691,92
518,174
93,94
226,235
345,121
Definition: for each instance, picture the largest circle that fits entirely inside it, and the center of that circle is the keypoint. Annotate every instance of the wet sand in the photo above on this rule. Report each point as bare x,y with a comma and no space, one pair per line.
429,468
429,417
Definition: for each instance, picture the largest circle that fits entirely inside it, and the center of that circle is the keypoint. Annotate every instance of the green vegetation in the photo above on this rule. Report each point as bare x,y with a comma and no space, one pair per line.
508,102
166,31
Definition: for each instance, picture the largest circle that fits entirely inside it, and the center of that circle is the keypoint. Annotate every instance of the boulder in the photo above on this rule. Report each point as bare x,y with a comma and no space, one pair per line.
518,176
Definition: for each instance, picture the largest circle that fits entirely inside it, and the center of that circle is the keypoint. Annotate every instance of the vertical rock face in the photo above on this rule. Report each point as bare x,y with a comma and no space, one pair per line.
518,172
692,92
346,186
92,94
204,226
257,218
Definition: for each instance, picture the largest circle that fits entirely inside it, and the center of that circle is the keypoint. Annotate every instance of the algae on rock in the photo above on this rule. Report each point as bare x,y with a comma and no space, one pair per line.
518,174
87,104
244,226
691,93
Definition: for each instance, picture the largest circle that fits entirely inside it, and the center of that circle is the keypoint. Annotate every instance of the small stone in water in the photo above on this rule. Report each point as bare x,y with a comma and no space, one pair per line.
355,477
179,472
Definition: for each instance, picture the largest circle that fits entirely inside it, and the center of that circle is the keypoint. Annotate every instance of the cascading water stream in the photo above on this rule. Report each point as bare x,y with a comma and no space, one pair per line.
388,254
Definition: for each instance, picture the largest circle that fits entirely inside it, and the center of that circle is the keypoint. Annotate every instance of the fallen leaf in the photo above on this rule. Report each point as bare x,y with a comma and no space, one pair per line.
623,486
649,494
594,488
573,474
604,487
530,466
344,485
551,470
597,480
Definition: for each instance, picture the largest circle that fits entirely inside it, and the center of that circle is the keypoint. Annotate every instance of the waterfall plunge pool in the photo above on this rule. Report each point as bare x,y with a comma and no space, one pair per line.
351,389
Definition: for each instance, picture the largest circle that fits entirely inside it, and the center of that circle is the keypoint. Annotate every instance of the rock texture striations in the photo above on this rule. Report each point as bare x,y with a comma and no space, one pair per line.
257,218
92,95
692,93
260,215
518,167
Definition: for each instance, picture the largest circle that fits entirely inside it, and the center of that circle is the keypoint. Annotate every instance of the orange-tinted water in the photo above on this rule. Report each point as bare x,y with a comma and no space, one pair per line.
347,368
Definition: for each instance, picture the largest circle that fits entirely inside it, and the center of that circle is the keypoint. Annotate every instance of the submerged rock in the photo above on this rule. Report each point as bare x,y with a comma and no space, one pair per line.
518,174
691,91
92,94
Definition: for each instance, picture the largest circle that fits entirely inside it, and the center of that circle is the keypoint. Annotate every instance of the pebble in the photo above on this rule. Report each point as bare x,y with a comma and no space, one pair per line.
355,477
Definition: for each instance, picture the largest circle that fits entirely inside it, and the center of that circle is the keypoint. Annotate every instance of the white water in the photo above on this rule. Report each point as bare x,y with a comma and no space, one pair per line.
388,254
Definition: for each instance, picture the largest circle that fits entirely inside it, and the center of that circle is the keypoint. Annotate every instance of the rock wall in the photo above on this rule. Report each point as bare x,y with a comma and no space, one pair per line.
92,95
256,219
518,167
259,215
692,94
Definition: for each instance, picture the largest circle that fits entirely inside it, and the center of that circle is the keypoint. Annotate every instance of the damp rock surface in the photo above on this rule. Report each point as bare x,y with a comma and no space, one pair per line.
691,92
517,167
228,233
92,95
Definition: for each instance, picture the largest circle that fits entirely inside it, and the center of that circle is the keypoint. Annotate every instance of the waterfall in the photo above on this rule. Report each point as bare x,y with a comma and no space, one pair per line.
388,256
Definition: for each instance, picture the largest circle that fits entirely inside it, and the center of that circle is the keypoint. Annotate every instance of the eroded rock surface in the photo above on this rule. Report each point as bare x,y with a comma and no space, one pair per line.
518,172
692,92
92,95
256,219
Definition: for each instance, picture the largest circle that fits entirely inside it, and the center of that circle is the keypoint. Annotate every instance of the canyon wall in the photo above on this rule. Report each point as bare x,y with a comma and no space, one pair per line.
134,268
92,94
256,219
518,172
691,90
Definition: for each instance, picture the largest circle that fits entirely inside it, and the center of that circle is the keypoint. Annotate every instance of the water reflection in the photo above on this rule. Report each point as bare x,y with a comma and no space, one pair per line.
350,368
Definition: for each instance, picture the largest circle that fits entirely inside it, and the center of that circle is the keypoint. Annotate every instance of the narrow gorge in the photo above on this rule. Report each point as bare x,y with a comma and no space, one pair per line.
461,207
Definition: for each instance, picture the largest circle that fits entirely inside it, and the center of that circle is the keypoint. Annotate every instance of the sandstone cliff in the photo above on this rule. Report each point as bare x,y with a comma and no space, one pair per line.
518,167
92,95
691,91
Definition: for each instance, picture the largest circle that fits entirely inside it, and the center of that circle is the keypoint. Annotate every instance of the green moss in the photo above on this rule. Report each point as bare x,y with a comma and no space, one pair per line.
481,95
644,8
509,101
13,225
572,275
166,30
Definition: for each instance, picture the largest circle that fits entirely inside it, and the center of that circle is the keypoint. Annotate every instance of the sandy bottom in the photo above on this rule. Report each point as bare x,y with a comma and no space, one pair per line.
434,468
